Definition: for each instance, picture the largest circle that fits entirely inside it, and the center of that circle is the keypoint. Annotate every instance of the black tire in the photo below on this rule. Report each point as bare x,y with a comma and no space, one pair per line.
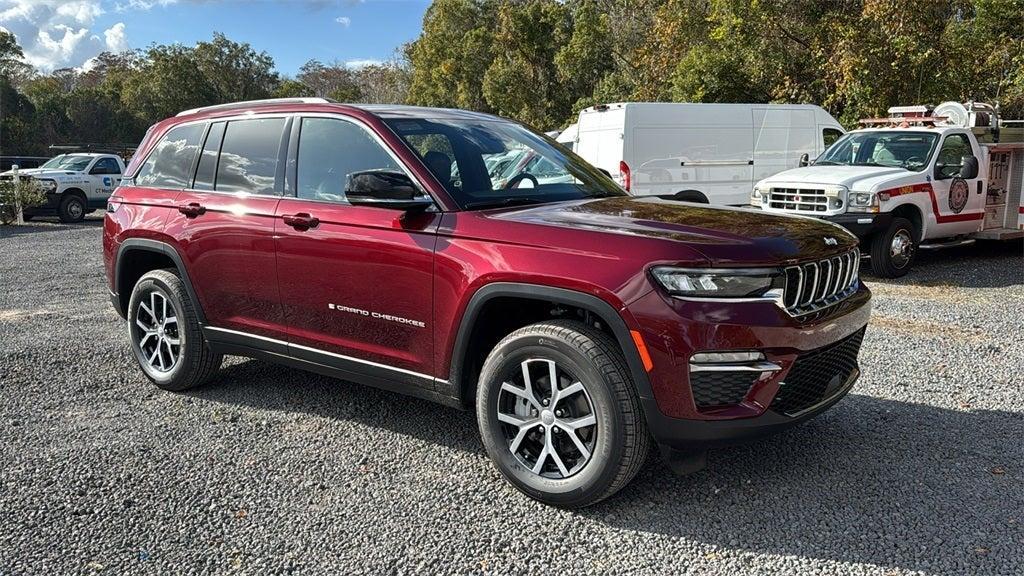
893,251
619,439
71,209
194,364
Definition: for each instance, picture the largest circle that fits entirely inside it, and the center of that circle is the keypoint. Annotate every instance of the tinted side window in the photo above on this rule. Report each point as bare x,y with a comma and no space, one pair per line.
208,159
106,166
829,136
170,163
952,153
330,151
248,156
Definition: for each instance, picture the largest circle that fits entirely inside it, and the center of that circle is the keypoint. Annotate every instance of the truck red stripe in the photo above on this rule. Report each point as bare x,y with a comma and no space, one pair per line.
939,218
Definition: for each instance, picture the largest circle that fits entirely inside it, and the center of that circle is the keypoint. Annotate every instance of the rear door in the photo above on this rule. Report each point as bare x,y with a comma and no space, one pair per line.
356,283
225,225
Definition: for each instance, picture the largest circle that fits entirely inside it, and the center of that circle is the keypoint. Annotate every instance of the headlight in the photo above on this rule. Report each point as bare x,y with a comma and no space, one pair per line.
719,282
759,195
863,202
48,185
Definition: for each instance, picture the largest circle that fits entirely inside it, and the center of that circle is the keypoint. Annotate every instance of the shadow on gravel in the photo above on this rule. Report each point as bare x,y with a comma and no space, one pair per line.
872,481
984,264
37,225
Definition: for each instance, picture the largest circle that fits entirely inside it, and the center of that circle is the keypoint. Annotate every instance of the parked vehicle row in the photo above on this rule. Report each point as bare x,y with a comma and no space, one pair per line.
75,184
413,249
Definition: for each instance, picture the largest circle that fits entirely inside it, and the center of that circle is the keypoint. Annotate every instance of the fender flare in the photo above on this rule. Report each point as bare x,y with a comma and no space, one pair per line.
587,302
149,245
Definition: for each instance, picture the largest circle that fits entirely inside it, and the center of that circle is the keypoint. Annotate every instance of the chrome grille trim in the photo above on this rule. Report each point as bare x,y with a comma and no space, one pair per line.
798,199
812,286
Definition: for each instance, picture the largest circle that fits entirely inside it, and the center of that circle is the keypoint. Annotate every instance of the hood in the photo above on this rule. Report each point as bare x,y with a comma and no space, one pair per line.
725,236
862,178
42,173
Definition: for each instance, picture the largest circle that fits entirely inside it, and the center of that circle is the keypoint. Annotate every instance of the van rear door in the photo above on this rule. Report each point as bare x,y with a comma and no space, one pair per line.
599,140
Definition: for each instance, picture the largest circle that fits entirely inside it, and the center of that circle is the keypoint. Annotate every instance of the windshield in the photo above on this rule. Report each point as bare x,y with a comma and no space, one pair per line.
910,150
490,163
68,162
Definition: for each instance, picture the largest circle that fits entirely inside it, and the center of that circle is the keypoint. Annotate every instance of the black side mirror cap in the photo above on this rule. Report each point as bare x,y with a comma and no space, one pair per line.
385,189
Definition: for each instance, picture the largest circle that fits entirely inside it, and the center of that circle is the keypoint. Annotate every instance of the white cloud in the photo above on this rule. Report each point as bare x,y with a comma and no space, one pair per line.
356,64
58,33
115,38
343,20
141,4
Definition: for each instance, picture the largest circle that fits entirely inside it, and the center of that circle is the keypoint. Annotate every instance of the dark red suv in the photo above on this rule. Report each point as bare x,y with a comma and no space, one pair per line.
382,245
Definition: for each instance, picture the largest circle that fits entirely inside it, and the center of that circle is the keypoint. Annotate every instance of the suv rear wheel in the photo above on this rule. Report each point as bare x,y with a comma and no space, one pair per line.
559,415
165,334
893,251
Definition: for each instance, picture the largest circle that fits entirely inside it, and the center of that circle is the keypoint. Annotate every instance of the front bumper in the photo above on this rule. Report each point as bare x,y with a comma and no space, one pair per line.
675,416
863,226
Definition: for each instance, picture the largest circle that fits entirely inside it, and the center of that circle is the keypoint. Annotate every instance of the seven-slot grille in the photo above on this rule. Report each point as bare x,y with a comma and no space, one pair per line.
799,199
814,285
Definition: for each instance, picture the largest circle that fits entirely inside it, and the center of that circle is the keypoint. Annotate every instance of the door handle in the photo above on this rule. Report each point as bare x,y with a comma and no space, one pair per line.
192,209
301,221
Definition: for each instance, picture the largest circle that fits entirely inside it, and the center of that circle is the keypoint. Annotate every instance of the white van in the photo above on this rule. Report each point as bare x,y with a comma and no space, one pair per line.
710,153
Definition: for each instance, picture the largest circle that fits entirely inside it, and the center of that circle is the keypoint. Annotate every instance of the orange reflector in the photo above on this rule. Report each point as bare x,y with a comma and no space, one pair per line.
642,349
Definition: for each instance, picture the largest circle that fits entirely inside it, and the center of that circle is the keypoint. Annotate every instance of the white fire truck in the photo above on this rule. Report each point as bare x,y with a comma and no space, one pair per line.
922,177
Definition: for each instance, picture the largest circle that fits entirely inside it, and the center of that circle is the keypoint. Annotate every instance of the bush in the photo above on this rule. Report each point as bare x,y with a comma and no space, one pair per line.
26,192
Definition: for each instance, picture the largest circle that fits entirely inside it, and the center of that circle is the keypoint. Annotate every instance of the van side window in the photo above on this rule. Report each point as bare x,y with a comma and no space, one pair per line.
170,163
208,159
951,155
248,156
829,136
330,151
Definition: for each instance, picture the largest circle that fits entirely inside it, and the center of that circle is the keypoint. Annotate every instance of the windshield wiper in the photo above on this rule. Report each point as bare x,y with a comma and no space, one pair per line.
503,202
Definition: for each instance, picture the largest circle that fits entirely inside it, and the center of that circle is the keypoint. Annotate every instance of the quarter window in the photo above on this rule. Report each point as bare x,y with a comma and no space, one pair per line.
248,156
330,152
170,163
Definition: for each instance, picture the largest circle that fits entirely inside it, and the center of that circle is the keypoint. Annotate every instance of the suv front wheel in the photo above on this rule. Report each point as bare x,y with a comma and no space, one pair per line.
165,333
559,415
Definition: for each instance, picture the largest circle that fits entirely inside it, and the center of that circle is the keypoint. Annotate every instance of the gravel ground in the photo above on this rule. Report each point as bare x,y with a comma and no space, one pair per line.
269,470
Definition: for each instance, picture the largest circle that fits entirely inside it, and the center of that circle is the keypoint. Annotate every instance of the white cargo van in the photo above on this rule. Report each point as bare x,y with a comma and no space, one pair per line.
700,152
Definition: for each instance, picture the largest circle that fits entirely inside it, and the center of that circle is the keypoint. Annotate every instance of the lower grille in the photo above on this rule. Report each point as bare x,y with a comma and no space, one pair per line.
711,389
817,376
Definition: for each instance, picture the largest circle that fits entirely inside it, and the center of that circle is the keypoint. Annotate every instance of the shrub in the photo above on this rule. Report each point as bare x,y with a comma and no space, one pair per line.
26,192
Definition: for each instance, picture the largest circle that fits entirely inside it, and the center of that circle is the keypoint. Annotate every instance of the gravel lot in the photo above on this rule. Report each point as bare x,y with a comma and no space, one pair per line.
269,470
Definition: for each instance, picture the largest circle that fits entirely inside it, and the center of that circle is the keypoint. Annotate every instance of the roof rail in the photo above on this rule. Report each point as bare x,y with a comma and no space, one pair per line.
251,103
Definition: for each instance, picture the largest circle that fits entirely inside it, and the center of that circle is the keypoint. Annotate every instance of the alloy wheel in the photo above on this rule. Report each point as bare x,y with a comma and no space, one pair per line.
548,419
158,337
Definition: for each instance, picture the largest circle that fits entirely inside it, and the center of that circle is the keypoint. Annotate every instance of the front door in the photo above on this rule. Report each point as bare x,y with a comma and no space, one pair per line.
105,175
958,204
356,281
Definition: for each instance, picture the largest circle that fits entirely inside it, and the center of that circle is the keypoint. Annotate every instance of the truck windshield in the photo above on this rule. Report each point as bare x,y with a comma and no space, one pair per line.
909,150
486,163
68,162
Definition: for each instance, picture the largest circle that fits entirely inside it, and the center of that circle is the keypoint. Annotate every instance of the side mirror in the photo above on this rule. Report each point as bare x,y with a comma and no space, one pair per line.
385,189
805,159
969,167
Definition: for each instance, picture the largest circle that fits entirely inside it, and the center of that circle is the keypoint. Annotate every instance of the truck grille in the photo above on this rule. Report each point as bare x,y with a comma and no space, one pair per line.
812,286
818,375
798,199
712,389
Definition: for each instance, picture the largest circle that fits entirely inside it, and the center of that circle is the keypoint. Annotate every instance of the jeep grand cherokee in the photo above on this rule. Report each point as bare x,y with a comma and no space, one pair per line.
373,244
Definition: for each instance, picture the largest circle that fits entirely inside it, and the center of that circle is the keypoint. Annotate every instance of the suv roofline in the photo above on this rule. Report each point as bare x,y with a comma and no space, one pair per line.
251,103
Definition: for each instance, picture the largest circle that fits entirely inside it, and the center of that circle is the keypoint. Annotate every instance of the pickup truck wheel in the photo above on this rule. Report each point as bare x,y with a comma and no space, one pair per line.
893,251
165,334
71,208
559,414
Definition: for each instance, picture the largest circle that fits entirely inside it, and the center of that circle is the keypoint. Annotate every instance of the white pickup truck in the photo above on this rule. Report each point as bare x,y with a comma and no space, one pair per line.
75,184
920,177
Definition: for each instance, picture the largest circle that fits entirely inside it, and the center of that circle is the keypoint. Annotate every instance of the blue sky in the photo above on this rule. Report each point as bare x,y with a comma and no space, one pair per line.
67,33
